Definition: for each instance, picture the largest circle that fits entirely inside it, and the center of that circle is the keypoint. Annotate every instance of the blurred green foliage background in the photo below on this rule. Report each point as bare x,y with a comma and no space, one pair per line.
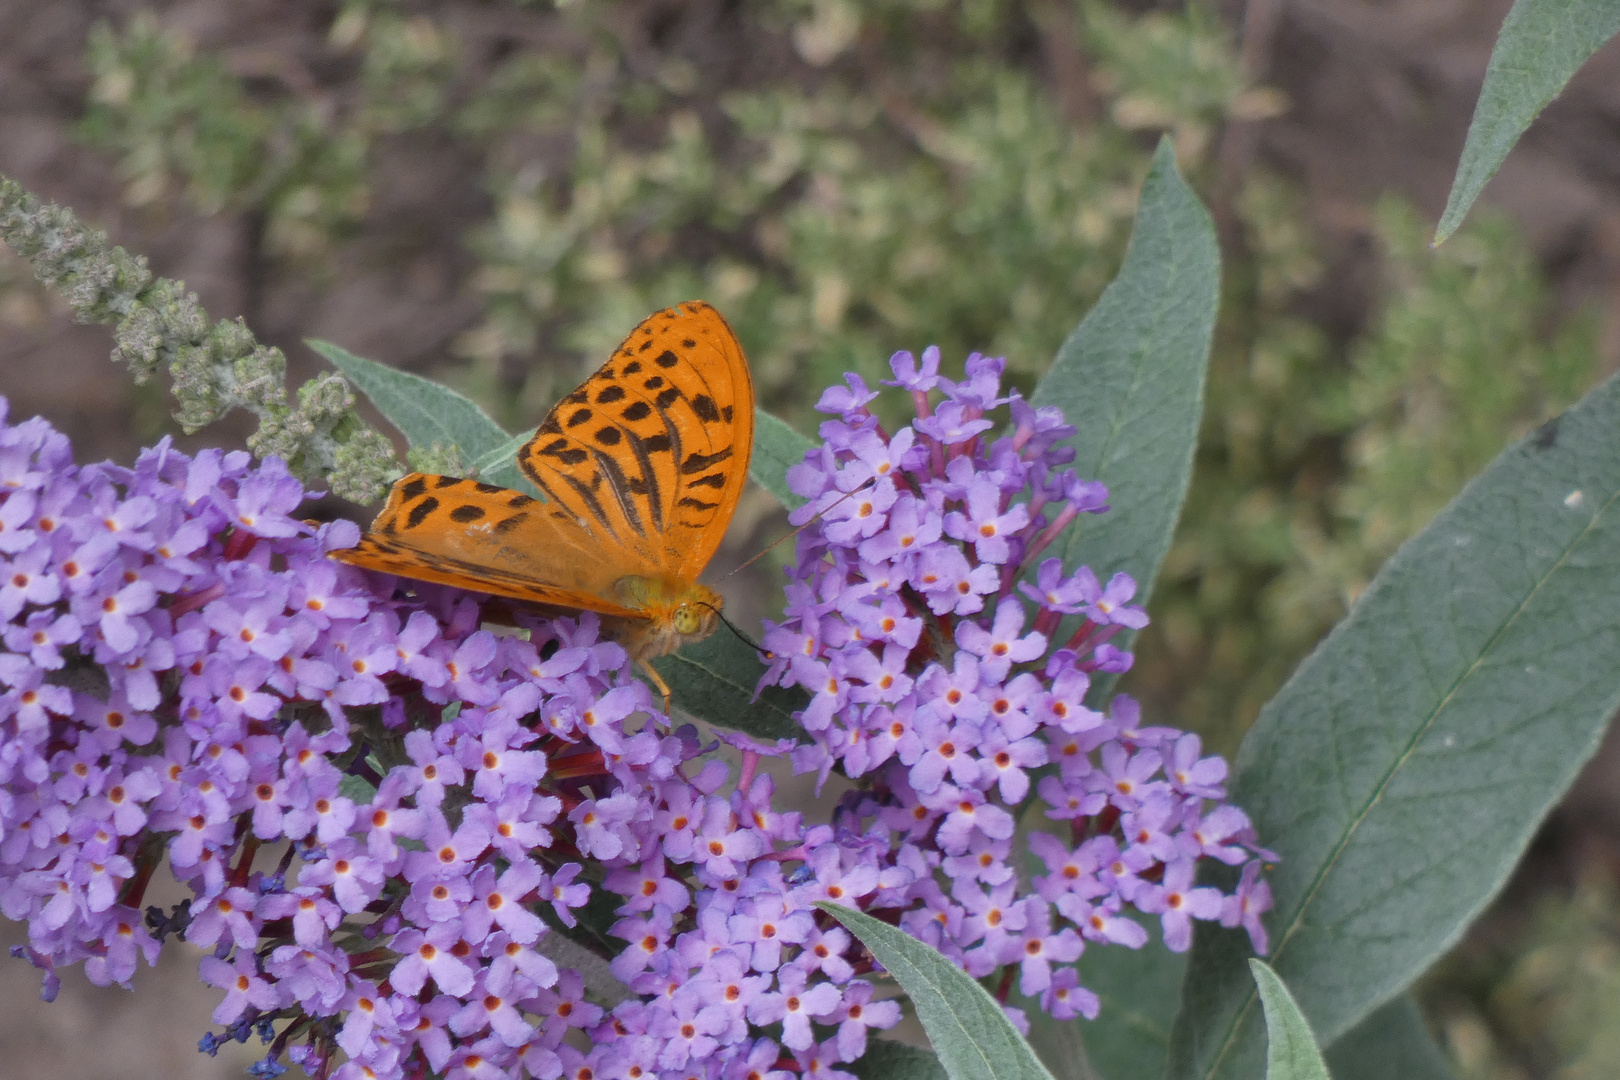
836,215
875,176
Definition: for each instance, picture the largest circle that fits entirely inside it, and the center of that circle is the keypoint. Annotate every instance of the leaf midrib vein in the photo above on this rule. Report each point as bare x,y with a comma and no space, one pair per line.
1229,1037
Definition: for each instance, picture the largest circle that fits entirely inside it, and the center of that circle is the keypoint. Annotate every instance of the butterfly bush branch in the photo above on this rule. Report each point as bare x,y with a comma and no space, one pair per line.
418,847
214,368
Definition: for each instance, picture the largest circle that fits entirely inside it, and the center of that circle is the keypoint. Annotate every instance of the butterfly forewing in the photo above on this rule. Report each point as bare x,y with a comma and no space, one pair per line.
650,454
642,467
478,536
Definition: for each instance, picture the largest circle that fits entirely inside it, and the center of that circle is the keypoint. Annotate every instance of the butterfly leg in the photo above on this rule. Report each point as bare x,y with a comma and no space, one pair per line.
658,681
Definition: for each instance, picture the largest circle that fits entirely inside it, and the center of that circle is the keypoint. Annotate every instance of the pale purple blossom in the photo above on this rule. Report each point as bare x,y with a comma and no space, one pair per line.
454,795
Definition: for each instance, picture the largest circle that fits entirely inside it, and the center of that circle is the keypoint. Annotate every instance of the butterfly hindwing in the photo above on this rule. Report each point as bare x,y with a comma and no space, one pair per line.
490,539
650,454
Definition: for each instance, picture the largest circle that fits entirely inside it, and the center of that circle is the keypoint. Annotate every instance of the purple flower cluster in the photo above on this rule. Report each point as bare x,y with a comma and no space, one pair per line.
948,678
442,813
418,845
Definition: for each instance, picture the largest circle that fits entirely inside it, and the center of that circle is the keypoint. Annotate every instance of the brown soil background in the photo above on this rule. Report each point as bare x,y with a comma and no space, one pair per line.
1380,96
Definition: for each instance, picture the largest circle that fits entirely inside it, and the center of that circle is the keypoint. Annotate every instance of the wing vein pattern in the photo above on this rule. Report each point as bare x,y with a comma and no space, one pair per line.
642,466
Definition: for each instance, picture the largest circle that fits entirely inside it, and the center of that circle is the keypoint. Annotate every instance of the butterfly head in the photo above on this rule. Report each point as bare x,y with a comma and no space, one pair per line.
677,613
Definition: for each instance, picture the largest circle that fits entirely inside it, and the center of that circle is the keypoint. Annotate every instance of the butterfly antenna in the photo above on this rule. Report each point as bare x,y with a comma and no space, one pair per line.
796,531
744,638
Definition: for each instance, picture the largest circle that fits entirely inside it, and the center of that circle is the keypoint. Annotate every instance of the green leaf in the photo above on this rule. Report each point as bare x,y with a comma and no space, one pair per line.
357,788
1402,770
1541,46
1058,1043
1131,379
777,448
714,680
1063,1045
886,1059
499,466
601,985
423,411
1137,989
1291,1052
1392,1042
972,1037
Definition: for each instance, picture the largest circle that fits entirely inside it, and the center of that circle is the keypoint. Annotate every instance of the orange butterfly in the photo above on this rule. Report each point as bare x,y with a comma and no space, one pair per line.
641,466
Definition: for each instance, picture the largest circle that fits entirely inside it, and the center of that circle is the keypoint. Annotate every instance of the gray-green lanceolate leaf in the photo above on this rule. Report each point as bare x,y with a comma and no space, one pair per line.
425,412
499,466
777,448
714,680
1541,46
886,1059
1291,1052
1393,1041
1131,379
1402,770
972,1037
1137,990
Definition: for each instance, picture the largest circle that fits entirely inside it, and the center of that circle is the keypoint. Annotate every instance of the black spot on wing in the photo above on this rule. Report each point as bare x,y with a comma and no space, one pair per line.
666,398
609,395
413,489
696,463
656,444
446,481
688,343
637,410
653,383
725,414
559,449
608,436
520,500
714,480
580,416
489,489
419,513
632,367
464,514
696,504
666,359
704,406
506,525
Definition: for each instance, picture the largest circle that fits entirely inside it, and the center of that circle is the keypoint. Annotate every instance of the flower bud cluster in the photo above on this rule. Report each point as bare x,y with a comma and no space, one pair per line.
214,368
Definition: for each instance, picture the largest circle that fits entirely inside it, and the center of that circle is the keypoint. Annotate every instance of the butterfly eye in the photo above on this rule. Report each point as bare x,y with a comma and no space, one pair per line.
688,620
